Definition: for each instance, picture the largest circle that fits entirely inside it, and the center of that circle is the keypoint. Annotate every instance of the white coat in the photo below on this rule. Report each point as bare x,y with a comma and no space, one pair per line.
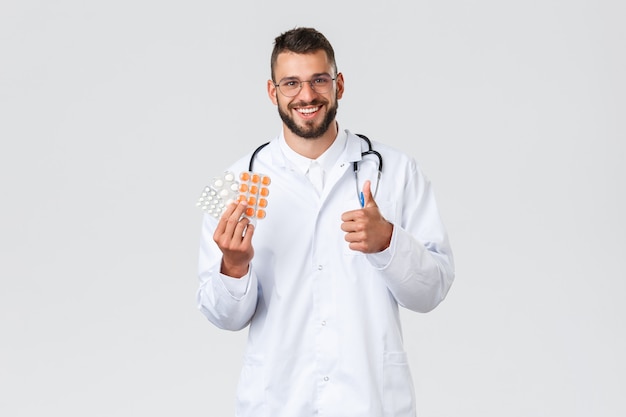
325,337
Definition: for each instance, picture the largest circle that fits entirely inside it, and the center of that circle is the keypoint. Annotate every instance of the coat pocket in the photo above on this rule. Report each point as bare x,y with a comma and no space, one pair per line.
398,391
251,388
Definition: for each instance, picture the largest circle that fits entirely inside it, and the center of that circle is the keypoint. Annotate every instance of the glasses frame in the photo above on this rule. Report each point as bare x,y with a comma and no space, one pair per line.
277,85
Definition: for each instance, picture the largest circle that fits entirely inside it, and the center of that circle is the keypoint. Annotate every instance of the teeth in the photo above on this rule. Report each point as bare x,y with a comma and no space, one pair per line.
308,111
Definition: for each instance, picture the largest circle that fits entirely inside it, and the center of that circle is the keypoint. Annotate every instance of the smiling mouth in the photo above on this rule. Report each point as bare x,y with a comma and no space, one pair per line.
307,111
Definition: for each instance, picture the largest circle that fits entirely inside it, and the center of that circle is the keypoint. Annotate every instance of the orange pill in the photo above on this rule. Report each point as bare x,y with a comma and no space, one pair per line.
264,192
243,188
260,214
262,202
251,201
254,189
250,212
241,198
244,176
256,178
265,181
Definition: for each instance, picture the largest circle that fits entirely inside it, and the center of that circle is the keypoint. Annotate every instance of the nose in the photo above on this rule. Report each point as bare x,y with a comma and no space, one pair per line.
306,92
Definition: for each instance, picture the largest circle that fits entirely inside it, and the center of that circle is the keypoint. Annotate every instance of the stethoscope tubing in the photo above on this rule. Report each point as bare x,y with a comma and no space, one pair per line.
355,164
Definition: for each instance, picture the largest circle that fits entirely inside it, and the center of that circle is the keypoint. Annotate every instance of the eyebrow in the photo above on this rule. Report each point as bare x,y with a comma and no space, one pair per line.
312,76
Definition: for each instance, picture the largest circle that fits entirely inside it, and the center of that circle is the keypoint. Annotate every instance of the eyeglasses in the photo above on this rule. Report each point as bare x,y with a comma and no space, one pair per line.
290,87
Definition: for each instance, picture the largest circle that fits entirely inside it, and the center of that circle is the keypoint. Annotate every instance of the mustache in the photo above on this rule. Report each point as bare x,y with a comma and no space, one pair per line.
313,103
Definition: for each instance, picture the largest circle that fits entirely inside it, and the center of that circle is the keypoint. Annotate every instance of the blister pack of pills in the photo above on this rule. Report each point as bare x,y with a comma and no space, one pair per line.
222,190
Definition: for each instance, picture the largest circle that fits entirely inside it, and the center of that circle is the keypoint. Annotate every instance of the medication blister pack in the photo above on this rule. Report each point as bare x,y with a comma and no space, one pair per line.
222,190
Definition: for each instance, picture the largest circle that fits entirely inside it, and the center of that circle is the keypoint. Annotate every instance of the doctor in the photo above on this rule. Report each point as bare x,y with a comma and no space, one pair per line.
320,280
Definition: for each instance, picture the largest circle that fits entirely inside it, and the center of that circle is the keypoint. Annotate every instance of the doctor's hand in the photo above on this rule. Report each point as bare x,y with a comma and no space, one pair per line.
366,229
233,236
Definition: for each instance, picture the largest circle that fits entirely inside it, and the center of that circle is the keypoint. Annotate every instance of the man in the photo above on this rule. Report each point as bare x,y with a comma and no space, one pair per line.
320,279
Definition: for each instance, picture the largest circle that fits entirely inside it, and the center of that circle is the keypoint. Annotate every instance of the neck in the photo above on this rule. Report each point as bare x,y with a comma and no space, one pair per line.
311,148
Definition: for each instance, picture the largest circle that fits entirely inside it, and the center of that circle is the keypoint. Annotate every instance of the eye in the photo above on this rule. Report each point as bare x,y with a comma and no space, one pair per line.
290,84
321,81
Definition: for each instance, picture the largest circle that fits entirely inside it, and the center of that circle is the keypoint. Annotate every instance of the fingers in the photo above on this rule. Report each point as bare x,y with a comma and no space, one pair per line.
232,228
221,225
233,236
374,237
366,229
367,201
368,198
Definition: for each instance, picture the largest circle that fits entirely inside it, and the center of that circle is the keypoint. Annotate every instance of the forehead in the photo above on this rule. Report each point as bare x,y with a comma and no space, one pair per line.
291,64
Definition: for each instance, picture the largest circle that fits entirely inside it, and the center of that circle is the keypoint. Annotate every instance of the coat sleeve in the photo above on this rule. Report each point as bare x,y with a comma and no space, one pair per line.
229,303
418,266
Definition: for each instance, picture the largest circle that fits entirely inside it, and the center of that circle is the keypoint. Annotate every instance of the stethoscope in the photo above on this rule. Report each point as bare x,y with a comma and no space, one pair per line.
355,165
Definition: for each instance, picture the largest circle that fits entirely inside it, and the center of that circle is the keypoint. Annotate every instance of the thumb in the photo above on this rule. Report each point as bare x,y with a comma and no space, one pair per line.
368,198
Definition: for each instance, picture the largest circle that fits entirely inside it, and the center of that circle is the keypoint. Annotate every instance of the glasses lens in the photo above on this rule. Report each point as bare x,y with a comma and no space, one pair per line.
289,87
322,84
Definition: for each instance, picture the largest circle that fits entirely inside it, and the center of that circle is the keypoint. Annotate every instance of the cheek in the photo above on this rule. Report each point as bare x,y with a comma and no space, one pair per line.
282,103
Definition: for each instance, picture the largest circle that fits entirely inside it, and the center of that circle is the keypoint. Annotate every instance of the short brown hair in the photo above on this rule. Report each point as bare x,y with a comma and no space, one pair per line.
302,41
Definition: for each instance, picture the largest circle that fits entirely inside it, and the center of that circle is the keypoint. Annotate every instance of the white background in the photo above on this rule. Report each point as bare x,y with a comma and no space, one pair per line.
113,115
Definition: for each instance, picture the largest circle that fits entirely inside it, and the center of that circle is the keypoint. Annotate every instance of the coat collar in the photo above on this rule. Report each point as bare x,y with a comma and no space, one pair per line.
351,152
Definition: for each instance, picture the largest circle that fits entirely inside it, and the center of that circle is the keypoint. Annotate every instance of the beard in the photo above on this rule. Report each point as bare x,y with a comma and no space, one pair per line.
309,130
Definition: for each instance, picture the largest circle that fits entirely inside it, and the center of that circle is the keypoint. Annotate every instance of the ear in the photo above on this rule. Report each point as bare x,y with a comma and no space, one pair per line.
339,85
271,92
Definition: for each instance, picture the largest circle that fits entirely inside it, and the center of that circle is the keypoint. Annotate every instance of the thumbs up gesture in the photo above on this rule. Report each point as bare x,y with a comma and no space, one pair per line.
366,229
